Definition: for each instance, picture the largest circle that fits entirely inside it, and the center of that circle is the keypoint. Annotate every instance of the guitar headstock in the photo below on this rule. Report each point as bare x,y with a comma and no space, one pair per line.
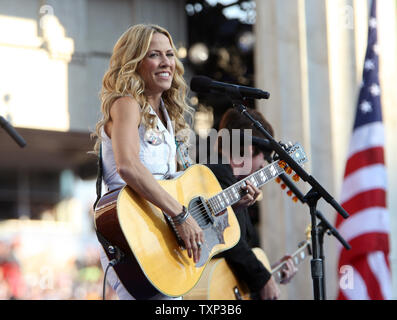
297,153
308,232
306,243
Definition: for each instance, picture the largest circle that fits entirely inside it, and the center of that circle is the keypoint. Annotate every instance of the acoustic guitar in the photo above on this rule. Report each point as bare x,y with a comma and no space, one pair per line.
154,259
219,281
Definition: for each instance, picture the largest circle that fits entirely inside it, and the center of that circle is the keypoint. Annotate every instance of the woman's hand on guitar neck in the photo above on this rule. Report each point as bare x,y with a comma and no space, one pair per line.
193,237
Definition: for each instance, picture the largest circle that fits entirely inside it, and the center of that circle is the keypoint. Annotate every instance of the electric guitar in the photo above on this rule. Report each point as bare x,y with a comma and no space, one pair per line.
153,257
219,281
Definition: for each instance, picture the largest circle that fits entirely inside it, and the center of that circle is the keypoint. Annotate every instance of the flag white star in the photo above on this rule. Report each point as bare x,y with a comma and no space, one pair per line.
376,48
373,23
369,65
365,107
375,90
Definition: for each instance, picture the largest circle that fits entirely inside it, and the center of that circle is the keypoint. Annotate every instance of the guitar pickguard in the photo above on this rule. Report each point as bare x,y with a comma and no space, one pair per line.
213,227
213,236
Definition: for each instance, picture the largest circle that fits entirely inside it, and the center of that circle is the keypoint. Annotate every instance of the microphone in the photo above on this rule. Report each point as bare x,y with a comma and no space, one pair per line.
204,84
261,143
12,132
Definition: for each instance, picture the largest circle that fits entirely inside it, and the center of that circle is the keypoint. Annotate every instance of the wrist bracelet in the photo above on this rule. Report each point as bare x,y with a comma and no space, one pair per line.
180,218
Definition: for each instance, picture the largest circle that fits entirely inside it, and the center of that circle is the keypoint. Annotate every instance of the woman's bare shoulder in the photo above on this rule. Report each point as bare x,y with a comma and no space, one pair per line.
125,109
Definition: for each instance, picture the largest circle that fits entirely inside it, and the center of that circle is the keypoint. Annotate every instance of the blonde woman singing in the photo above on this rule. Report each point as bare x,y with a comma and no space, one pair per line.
143,96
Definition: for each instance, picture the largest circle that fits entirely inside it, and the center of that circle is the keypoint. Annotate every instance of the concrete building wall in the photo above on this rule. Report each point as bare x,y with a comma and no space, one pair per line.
309,55
54,54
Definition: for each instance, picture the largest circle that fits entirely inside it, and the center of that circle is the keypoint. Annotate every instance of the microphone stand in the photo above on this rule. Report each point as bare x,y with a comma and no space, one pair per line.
323,227
12,132
311,198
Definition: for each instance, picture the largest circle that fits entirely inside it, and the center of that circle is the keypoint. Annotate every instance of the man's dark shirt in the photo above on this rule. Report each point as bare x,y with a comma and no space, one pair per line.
241,258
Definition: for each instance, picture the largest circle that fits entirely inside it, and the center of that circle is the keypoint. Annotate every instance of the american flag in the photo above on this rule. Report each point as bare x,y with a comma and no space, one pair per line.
364,271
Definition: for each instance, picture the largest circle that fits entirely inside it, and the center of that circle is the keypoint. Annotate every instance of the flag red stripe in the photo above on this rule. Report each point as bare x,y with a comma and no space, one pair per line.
363,200
363,244
341,296
362,266
364,158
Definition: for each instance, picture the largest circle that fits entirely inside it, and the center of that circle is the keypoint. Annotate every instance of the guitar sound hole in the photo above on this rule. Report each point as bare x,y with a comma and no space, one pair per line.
200,212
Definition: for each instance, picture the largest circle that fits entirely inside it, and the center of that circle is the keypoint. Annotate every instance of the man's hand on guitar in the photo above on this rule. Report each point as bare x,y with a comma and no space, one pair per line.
270,290
288,270
251,197
192,236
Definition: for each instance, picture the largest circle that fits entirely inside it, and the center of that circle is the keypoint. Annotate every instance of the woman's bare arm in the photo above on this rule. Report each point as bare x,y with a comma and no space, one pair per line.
123,130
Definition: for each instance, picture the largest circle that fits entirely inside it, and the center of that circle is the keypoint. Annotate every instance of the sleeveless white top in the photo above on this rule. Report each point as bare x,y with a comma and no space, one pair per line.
160,159
161,162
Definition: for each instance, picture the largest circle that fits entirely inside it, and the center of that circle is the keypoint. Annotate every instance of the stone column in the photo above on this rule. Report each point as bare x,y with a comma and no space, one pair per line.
281,69
309,55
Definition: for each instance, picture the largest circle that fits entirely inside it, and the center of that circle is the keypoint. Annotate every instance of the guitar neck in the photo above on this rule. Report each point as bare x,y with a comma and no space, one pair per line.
297,257
234,193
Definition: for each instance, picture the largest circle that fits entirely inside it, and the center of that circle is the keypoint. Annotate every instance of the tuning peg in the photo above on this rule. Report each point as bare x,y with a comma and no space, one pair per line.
308,231
278,180
283,186
284,145
295,177
288,170
282,164
295,199
289,193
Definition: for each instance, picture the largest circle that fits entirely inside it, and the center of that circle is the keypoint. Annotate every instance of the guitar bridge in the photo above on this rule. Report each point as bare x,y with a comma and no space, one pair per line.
172,226
200,211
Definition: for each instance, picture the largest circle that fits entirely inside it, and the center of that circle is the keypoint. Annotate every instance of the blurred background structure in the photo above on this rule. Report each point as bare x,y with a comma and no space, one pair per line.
308,54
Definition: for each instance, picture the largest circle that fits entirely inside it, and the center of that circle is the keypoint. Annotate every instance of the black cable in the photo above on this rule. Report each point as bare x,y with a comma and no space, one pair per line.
111,264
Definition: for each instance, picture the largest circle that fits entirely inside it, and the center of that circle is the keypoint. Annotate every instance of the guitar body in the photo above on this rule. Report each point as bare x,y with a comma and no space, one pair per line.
154,260
220,283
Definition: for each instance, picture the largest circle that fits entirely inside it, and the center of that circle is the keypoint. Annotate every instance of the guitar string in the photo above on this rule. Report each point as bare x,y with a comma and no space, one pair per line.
200,207
241,193
197,209
201,219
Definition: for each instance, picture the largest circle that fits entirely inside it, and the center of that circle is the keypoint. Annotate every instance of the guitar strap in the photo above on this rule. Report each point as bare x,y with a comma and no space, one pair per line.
183,154
114,251
99,177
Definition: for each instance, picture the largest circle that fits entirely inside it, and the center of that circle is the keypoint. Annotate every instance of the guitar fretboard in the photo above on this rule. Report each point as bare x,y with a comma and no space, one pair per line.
297,258
234,193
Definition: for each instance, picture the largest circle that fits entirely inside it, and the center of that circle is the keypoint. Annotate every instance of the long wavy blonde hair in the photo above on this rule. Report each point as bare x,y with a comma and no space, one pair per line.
122,79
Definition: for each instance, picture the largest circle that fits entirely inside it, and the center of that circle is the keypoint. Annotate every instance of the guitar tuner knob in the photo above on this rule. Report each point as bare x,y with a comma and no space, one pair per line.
282,164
